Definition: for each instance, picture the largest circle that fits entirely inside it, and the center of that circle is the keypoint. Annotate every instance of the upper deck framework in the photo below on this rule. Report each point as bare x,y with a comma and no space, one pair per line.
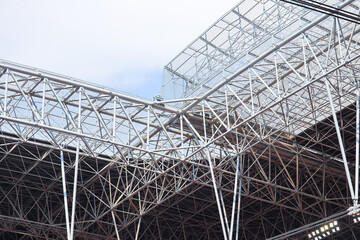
259,139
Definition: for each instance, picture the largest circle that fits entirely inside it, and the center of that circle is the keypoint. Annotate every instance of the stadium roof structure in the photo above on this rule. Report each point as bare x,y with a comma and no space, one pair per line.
257,138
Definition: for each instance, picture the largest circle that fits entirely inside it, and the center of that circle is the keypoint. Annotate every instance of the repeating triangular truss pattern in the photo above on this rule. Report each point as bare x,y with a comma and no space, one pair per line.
256,137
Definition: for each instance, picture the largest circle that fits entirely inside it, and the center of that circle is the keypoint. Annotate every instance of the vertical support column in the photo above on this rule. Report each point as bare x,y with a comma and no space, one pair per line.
204,121
148,129
138,229
251,93
340,141
234,199
216,194
65,194
223,204
43,102
357,145
112,203
182,136
227,106
239,199
114,121
6,93
115,225
76,171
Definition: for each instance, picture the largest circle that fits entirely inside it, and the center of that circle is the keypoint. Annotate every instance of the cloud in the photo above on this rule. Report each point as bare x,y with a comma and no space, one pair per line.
98,40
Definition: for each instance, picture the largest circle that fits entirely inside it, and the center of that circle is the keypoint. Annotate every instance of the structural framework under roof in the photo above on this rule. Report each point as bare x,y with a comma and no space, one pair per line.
256,138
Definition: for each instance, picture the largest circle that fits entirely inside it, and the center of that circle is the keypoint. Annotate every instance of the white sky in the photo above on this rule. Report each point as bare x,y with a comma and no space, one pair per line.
116,43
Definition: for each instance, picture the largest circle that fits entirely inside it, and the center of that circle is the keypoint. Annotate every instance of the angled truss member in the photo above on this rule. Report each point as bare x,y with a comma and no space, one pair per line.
257,138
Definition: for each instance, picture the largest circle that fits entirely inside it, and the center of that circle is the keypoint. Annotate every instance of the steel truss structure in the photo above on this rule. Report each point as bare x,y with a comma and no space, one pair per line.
257,138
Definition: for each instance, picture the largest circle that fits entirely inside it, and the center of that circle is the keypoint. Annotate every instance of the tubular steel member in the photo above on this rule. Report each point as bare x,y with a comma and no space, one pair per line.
357,144
248,132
